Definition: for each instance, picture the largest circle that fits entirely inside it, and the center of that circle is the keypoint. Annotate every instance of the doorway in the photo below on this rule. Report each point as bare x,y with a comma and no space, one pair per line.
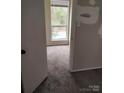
58,32
58,22
57,14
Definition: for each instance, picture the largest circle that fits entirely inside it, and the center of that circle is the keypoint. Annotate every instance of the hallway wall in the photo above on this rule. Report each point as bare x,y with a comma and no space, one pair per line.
88,43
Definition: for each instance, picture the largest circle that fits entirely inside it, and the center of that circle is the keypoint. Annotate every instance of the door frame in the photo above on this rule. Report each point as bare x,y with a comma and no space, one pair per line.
72,29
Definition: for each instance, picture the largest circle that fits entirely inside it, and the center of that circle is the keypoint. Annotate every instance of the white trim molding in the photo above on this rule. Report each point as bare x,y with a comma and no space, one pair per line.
85,69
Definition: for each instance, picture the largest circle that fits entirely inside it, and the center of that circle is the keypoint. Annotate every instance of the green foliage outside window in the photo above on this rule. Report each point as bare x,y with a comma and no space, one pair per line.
59,15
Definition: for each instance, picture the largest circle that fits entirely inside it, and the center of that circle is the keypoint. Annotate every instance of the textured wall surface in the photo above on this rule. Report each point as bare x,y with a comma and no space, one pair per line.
88,41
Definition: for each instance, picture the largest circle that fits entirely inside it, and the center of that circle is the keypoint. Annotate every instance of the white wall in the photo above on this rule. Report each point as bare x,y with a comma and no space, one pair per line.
87,53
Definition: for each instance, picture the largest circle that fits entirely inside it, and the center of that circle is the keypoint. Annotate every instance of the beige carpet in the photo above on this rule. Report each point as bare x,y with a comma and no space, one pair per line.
59,79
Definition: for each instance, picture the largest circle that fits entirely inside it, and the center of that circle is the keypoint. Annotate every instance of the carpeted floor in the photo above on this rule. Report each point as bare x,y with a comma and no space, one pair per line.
60,80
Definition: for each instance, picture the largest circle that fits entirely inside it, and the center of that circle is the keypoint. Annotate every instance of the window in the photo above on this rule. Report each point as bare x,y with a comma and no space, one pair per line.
59,21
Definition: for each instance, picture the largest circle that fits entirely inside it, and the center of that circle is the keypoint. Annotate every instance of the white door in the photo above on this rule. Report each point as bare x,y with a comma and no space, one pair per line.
34,61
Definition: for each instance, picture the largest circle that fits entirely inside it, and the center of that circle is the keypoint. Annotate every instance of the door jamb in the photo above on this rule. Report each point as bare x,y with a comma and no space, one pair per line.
73,30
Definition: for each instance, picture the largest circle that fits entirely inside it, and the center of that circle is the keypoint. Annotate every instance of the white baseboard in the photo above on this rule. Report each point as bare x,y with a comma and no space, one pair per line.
77,70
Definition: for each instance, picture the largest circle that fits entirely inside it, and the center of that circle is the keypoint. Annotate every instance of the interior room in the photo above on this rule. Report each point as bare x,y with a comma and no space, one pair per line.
61,46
